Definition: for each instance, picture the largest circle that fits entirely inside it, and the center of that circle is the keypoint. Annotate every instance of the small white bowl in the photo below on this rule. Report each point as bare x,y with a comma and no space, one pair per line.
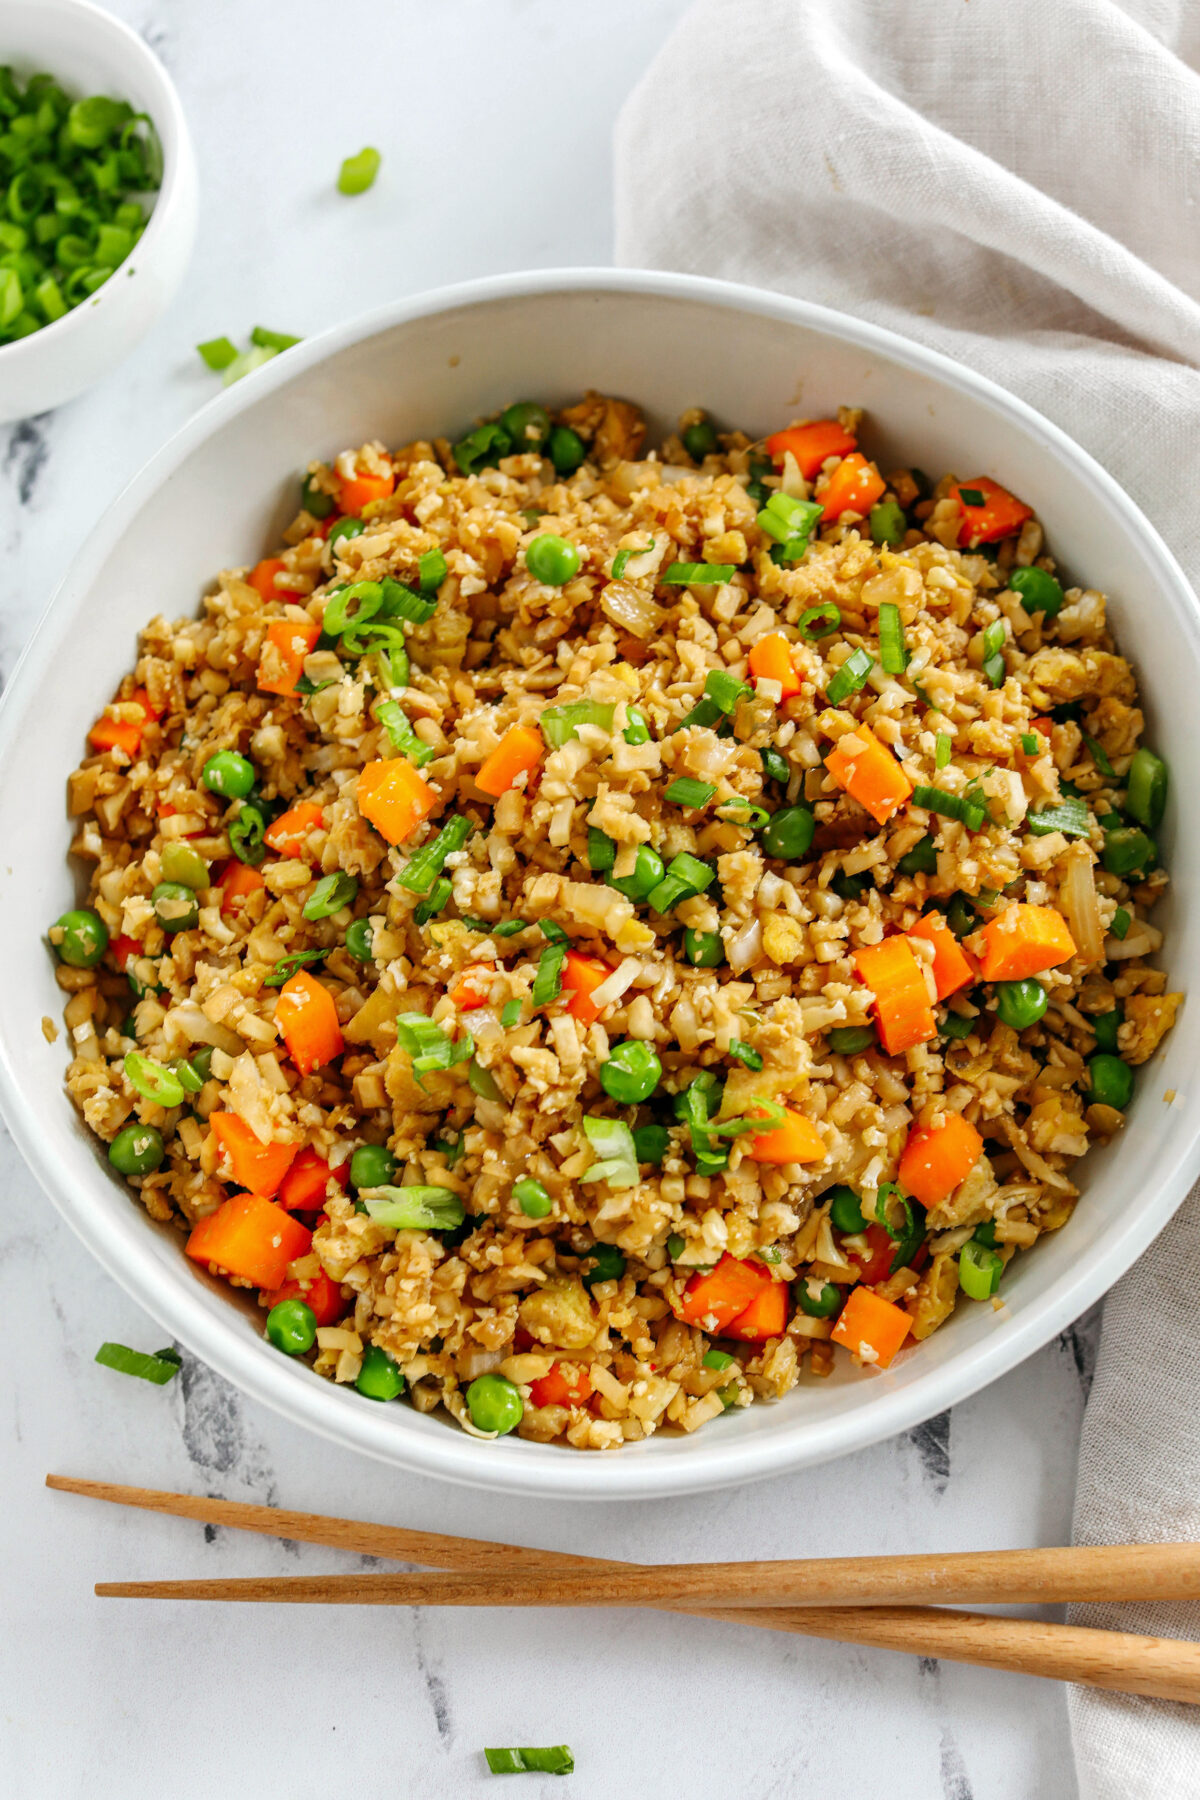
90,52
219,494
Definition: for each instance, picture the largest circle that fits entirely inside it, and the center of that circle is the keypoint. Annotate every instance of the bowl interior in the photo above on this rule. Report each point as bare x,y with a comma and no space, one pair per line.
214,498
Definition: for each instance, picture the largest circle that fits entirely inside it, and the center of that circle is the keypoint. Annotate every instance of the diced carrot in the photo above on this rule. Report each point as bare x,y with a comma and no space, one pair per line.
304,1187
237,881
770,659
262,577
473,987
871,1327
567,1384
122,949
288,832
518,751
308,1022
765,1317
259,1167
317,1291
123,734
1023,941
854,486
902,1010
289,641
875,1263
394,798
797,1140
360,489
249,1236
581,976
810,444
952,967
715,1299
869,773
1001,515
1042,726
936,1159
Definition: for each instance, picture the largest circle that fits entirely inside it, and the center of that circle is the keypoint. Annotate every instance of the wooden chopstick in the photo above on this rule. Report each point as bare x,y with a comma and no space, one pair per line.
1159,1668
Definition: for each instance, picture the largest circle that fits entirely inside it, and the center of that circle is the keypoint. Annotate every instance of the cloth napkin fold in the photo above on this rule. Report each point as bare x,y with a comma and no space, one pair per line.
1016,183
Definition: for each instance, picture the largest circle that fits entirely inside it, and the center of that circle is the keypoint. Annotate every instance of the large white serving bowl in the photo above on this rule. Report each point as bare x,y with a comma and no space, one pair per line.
90,52
216,495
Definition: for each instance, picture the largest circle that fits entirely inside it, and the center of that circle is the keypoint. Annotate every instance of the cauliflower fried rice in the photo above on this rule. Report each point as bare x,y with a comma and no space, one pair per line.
588,935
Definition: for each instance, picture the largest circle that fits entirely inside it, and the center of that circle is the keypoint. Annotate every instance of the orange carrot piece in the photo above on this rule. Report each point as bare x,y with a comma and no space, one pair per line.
394,798
765,1317
560,1388
304,1187
1001,515
237,881
262,577
937,1159
518,751
249,1236
797,1140
952,967
317,1291
770,659
360,489
122,948
259,1167
123,734
1042,726
869,773
473,987
290,830
581,976
854,486
810,444
290,641
902,1010
871,1327
308,1022
1023,941
715,1299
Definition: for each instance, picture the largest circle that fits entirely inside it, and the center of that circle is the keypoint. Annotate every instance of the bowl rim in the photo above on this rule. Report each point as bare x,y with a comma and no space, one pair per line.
171,128
632,1474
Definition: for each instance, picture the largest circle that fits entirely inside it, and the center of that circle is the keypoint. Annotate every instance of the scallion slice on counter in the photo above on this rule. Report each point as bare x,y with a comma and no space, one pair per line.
556,1760
358,173
159,1368
273,340
218,353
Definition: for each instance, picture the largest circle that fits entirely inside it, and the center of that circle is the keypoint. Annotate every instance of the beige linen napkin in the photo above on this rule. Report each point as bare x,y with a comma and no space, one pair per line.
1017,183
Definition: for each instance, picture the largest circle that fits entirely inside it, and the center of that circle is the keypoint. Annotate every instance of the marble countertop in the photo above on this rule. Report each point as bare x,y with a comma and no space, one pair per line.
494,117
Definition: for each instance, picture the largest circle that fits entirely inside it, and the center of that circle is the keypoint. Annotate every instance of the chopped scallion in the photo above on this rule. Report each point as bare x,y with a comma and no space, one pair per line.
416,1208
697,574
159,1368
1070,816
687,792
547,983
893,655
422,870
950,806
850,678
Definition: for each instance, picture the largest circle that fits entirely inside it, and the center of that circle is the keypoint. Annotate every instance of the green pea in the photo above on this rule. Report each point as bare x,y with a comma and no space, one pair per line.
632,1072
1020,1003
788,833
345,528
703,949
648,872
136,1150
607,1264
379,1378
1128,849
228,774
676,1246
292,1327
315,500
359,938
175,906
372,1166
83,940
818,1306
179,862
566,449
651,1143
851,1040
845,1210
494,1404
527,424
552,560
532,1198
1039,592
1106,1026
700,440
1112,1081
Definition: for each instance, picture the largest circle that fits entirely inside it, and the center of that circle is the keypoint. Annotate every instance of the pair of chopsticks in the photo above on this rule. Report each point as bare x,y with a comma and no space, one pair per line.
862,1600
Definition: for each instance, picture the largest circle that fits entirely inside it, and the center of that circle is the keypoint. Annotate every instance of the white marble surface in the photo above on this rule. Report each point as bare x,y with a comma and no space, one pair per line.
494,117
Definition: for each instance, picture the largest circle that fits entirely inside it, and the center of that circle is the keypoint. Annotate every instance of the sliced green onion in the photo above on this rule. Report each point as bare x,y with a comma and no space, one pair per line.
993,638
695,1106
246,363
287,966
482,1081
601,851
920,860
819,621
613,1143
726,689
358,173
956,1025
417,1208
768,1115
851,1040
421,871
893,655
510,928
950,806
1031,743
744,812
330,895
366,598
1146,788
686,876
218,353
400,602
273,340
636,731
775,765
552,931
706,711
687,792
943,750
697,574
160,1368
1122,919
403,738
716,1359
979,1270
850,677
547,982
1070,816
559,724
432,569
745,1053
888,524
510,1014
429,908
554,1760
152,1081
482,448
1100,756
621,559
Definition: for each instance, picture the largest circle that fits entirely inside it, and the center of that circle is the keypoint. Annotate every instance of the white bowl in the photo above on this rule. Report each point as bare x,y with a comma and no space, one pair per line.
90,52
217,494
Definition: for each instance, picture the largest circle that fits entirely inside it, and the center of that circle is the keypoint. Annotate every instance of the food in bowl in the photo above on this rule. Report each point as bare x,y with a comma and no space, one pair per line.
579,932
76,175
